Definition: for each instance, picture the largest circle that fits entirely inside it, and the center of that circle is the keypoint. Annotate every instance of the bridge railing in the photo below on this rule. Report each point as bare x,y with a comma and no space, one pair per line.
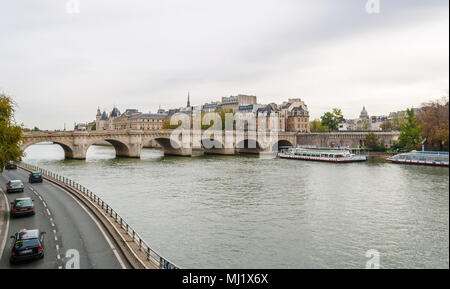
151,254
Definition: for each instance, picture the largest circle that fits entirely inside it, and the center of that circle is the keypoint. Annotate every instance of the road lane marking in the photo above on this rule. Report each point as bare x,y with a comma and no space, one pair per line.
40,198
59,267
58,257
122,264
54,232
48,212
57,247
45,205
56,238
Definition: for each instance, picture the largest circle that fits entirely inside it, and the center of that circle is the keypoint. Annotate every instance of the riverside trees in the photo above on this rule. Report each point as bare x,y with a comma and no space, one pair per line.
10,133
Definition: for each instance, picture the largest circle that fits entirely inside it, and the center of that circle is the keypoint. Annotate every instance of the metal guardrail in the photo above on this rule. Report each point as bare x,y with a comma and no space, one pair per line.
152,255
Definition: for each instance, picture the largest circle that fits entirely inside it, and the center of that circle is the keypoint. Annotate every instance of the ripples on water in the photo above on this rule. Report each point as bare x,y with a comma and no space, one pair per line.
246,212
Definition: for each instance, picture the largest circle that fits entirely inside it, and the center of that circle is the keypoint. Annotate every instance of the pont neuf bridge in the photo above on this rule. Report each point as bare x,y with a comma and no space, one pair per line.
129,143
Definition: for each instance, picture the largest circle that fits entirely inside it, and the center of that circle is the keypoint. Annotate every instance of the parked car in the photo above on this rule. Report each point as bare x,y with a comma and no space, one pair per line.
22,207
27,245
11,166
14,186
35,177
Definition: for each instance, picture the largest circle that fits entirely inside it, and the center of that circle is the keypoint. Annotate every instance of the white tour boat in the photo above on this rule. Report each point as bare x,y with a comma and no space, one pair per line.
322,155
421,158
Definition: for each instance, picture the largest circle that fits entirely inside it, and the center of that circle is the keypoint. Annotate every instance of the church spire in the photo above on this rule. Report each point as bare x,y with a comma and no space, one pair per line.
189,101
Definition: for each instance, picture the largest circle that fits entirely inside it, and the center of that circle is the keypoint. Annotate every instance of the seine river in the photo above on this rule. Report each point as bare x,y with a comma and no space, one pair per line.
246,212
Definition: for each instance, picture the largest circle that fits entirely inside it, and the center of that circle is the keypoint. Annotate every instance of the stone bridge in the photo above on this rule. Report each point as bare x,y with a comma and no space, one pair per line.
129,143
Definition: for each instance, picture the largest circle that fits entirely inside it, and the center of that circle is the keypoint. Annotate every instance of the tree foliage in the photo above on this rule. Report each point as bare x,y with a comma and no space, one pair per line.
386,125
332,119
316,126
372,142
10,133
434,119
397,121
410,132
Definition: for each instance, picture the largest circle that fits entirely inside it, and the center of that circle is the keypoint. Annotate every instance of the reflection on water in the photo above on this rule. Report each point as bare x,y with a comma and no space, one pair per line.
246,212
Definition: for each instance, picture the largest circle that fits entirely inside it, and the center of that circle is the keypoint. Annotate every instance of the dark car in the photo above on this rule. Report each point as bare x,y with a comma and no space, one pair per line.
11,166
27,245
22,207
14,186
35,177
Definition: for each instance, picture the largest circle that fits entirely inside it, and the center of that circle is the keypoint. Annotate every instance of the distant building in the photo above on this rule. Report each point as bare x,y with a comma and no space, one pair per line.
130,119
295,116
81,126
364,114
233,102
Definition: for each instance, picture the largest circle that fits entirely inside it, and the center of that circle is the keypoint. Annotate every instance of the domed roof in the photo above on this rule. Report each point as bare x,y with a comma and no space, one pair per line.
364,113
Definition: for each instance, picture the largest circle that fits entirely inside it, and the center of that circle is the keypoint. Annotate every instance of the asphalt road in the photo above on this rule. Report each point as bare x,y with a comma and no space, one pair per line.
68,227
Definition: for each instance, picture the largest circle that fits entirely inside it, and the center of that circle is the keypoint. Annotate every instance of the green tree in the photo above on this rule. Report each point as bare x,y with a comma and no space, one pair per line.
332,119
372,142
410,132
10,133
316,126
397,121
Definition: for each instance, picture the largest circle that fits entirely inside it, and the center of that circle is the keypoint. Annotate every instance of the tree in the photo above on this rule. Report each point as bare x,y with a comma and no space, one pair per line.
362,124
10,133
386,125
434,119
410,132
316,126
397,121
372,142
332,119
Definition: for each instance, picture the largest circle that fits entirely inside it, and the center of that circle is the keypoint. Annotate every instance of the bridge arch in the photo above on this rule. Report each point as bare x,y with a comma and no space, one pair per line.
248,146
281,144
169,149
67,147
122,149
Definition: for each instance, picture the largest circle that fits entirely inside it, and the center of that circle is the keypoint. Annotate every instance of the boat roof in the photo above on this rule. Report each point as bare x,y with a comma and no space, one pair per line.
327,151
430,153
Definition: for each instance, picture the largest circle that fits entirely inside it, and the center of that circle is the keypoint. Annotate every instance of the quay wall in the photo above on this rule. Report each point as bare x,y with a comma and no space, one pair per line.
350,139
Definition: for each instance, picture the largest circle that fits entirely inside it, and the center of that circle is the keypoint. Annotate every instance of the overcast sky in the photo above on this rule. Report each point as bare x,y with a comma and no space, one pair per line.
60,66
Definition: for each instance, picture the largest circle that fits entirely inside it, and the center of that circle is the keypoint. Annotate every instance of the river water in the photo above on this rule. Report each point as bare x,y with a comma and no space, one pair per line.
247,212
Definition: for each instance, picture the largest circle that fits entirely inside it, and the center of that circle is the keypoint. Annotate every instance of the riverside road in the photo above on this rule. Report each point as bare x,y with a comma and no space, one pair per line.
70,229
